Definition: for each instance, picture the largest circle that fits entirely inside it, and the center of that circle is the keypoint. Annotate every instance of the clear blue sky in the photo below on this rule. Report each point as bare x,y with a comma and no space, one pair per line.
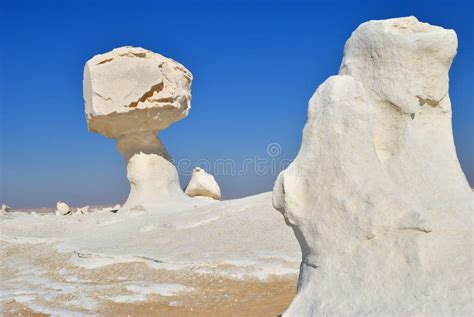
255,66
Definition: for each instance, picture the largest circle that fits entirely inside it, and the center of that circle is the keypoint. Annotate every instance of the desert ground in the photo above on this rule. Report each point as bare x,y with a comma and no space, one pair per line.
190,262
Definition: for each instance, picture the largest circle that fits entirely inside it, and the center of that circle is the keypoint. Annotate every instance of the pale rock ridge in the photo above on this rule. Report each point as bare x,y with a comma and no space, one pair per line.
203,184
376,196
62,209
130,95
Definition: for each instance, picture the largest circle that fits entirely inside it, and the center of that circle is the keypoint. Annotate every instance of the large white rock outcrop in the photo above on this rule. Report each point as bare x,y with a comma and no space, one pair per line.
376,196
203,184
130,95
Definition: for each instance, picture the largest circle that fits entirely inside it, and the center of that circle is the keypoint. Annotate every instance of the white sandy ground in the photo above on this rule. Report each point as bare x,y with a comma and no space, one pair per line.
66,265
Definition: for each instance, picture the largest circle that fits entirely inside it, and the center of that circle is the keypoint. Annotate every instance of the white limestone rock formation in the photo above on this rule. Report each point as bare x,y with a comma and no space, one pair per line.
203,184
82,210
5,209
376,196
130,95
62,209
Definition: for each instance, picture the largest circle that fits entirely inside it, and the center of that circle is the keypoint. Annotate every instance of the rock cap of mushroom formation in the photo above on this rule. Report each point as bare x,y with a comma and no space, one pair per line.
130,95
62,208
132,80
376,196
203,184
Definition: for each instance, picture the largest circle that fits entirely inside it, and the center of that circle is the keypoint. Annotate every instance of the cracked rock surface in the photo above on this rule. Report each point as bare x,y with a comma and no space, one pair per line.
130,95
376,196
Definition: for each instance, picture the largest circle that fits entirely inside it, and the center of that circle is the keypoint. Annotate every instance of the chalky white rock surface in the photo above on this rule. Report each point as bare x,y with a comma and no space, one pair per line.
203,184
130,95
83,210
62,208
376,196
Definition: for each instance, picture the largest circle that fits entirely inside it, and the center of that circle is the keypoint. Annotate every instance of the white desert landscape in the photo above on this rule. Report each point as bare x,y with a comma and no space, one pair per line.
165,251
374,217
186,259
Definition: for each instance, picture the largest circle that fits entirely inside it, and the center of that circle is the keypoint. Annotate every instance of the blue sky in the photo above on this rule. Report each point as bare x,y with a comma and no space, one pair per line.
255,65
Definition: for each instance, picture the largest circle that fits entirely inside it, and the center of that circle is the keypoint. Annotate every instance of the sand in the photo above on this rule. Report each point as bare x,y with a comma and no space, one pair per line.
231,258
106,290
241,298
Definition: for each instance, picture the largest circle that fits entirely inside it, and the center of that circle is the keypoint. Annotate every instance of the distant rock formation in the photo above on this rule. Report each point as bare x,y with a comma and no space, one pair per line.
376,196
83,210
62,209
203,184
130,95
4,209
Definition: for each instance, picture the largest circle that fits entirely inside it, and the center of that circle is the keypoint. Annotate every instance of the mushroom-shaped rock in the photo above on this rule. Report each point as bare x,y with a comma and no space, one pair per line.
376,196
203,184
130,95
62,208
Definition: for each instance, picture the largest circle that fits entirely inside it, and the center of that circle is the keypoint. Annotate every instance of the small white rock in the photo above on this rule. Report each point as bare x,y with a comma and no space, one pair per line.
5,209
62,209
203,184
83,210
